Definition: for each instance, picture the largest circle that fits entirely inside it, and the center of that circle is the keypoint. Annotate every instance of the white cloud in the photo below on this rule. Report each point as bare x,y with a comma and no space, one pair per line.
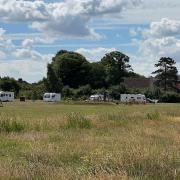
13,10
2,31
26,63
152,10
69,18
2,55
164,28
162,39
26,69
5,42
166,46
32,55
27,43
142,64
95,54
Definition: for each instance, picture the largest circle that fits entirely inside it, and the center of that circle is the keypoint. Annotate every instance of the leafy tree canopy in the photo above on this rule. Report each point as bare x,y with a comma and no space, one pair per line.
72,68
116,67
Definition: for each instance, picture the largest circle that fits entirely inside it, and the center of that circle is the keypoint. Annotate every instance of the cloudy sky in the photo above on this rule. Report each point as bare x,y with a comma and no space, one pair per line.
32,31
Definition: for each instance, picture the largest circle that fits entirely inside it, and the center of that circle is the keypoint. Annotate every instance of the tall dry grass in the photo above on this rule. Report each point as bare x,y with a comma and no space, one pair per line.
137,142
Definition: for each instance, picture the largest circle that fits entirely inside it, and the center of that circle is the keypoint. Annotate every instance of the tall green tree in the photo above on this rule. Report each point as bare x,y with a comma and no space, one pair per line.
53,83
72,68
116,66
97,75
9,84
167,73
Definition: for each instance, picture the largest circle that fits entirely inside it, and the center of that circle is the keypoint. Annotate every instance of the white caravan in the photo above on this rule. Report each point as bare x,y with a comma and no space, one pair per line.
96,97
99,97
6,96
140,98
52,97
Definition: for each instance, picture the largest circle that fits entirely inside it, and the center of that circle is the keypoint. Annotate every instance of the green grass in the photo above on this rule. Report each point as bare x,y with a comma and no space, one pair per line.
10,124
75,120
89,141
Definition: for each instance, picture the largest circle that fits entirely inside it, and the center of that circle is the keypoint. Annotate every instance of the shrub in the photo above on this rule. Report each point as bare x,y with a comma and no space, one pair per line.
115,91
10,125
153,116
76,120
170,98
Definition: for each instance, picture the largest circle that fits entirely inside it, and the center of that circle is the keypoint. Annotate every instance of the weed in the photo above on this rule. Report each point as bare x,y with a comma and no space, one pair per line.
154,116
10,125
76,120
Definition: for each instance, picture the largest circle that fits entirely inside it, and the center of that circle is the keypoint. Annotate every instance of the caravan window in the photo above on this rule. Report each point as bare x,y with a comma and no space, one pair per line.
138,97
53,96
9,95
2,95
47,96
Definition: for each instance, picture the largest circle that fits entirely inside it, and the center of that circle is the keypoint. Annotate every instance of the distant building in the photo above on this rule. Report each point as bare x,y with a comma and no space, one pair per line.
177,87
138,83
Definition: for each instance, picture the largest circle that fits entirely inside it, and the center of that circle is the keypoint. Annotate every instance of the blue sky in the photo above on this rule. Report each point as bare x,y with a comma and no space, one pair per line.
31,32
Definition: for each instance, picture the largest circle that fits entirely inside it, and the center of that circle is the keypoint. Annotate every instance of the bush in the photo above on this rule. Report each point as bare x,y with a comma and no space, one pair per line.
170,98
10,125
76,120
115,91
153,116
67,92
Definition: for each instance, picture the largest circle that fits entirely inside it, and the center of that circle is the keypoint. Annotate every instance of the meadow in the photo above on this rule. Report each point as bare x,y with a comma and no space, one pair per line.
89,141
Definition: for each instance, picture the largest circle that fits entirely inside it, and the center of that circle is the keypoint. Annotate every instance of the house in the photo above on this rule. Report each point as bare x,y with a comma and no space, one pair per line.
177,87
139,83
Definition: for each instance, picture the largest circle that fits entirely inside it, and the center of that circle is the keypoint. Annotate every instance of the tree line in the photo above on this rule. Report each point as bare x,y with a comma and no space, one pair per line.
72,75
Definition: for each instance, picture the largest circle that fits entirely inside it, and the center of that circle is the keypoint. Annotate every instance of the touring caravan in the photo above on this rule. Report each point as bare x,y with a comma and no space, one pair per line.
6,96
100,97
52,97
139,98
96,97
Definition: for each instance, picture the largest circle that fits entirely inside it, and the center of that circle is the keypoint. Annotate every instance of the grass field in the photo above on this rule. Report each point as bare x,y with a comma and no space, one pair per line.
89,141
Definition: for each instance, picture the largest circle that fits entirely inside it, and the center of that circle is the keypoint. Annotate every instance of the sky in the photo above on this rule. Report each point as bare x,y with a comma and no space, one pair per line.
33,31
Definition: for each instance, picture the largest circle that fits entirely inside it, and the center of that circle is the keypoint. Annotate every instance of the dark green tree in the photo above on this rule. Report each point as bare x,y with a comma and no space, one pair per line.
167,73
97,75
72,68
116,66
9,84
53,83
116,91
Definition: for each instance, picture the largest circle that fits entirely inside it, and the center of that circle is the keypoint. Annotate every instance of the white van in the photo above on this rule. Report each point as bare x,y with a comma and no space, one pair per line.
52,97
140,98
6,96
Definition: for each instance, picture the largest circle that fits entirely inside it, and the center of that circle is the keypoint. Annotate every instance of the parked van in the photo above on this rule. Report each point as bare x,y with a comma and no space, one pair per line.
6,96
52,97
139,98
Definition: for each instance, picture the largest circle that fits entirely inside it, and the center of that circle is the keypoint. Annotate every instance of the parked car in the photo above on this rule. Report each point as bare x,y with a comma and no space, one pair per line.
148,100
